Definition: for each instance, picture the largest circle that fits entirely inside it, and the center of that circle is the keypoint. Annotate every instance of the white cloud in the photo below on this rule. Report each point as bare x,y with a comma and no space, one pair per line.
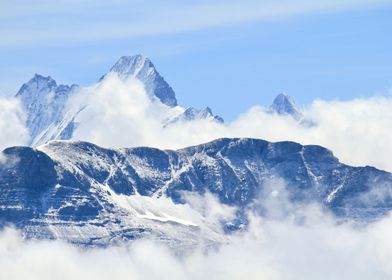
25,22
12,129
120,115
277,247
356,130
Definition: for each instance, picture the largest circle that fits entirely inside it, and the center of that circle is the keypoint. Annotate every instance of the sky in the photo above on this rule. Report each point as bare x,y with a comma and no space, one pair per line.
227,55
232,56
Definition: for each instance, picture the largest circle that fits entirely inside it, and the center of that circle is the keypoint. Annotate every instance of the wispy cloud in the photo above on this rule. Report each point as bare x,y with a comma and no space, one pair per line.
47,22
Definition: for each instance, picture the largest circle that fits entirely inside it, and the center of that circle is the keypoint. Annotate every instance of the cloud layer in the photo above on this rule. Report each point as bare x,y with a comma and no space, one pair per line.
307,244
121,115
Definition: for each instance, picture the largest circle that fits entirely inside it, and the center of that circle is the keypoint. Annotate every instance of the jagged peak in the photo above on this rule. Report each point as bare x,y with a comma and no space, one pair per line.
283,104
131,65
38,83
132,59
283,98
192,113
140,67
40,78
207,110
136,57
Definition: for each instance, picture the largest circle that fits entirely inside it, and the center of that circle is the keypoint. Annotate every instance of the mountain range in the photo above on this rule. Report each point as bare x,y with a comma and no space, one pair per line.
89,195
51,115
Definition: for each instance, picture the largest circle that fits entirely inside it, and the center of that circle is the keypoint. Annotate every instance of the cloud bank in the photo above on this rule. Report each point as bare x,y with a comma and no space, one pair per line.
356,130
119,114
307,244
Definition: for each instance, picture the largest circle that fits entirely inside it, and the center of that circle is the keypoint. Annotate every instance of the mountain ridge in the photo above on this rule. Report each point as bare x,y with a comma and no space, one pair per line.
85,194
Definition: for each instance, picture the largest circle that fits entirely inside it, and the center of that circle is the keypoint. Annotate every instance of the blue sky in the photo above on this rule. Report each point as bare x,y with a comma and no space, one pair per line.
224,54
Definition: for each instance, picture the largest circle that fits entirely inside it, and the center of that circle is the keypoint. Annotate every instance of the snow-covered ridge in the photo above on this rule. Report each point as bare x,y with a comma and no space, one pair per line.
89,195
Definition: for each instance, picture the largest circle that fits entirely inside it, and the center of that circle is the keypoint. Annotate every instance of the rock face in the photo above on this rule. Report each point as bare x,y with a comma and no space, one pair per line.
285,105
86,194
50,115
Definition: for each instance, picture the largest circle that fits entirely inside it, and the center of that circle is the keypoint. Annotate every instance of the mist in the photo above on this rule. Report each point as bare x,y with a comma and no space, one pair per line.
301,242
119,114
12,124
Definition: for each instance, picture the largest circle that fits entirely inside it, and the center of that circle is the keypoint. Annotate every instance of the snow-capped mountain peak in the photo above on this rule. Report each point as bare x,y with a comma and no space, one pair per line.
43,100
38,84
283,104
51,113
131,65
192,114
141,68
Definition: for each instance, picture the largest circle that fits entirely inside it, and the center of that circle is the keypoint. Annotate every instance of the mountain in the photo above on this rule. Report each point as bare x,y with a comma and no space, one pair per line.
141,68
283,104
44,101
52,116
192,114
88,195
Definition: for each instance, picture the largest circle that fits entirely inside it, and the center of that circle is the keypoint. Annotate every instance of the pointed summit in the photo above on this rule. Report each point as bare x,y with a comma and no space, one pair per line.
141,68
193,114
43,102
38,84
196,114
50,115
128,66
283,104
